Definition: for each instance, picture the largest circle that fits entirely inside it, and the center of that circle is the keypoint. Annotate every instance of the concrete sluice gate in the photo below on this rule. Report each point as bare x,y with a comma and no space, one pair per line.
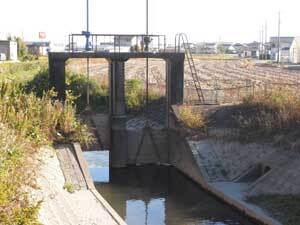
125,139
163,143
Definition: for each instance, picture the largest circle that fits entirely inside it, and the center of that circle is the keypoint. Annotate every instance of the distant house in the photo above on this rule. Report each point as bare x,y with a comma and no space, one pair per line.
285,45
223,47
251,50
236,48
295,51
38,48
206,48
8,50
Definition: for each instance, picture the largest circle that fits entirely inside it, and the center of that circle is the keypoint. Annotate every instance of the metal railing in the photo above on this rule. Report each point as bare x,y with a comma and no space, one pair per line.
116,43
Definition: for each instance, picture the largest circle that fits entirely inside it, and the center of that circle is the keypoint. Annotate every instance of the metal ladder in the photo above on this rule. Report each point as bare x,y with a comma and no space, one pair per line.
183,37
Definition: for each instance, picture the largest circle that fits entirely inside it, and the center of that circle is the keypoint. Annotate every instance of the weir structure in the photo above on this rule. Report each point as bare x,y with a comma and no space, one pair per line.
122,141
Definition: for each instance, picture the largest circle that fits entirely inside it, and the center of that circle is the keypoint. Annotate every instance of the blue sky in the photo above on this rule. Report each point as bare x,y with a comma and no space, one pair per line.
211,20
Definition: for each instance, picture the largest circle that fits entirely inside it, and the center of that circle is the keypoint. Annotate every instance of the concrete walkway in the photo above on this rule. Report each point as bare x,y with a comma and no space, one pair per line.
59,207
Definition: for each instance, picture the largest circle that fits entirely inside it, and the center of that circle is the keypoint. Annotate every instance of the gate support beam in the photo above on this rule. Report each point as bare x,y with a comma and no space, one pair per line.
175,80
119,141
57,76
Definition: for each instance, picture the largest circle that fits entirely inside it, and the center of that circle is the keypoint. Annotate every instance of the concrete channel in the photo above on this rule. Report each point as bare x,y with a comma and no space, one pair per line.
164,145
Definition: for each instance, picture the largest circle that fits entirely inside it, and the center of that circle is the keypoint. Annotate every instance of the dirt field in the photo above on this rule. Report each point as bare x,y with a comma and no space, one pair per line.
221,80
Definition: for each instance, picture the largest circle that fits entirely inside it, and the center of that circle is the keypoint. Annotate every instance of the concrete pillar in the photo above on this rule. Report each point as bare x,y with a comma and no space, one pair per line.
57,77
119,140
117,87
175,80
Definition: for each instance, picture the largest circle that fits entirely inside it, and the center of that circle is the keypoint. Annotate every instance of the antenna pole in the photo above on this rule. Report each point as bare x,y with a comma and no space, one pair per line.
87,16
278,50
87,33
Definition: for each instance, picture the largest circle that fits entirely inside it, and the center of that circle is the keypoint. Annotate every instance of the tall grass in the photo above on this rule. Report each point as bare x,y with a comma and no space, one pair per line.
191,119
27,123
269,113
21,71
135,96
40,119
16,172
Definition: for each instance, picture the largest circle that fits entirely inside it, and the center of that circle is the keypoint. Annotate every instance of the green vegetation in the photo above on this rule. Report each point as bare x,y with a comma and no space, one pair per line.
77,86
30,118
27,123
69,187
21,71
42,120
136,96
286,209
15,173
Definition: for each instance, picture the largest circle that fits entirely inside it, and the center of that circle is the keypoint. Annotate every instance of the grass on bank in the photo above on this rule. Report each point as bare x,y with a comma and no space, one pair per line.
27,123
286,209
275,114
21,71
99,91
190,118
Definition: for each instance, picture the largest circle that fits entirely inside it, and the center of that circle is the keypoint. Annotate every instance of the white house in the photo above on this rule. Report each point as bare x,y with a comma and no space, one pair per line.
295,51
251,50
236,48
285,45
9,49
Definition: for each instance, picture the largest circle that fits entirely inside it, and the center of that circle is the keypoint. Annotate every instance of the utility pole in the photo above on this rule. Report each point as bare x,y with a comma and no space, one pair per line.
266,40
266,32
278,43
262,42
88,47
147,40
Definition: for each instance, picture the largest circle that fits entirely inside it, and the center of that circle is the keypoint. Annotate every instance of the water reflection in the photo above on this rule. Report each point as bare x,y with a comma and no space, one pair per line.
154,195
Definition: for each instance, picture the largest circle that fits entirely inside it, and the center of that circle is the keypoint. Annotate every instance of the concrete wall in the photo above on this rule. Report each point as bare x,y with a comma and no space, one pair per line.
10,49
150,152
181,155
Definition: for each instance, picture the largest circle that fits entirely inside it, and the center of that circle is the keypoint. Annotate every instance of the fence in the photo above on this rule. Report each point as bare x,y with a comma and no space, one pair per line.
232,91
117,43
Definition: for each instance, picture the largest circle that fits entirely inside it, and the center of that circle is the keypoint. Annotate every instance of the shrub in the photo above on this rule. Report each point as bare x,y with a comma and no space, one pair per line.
40,119
28,122
267,115
134,95
76,84
190,119
279,109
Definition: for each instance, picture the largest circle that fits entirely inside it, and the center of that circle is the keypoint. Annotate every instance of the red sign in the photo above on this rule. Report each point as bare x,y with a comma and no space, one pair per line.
42,35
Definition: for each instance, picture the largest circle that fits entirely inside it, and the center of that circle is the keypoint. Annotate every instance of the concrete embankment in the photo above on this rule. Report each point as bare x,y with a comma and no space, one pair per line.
232,171
63,171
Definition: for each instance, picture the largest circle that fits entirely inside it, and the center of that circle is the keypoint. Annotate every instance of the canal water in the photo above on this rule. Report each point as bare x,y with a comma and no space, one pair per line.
158,195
